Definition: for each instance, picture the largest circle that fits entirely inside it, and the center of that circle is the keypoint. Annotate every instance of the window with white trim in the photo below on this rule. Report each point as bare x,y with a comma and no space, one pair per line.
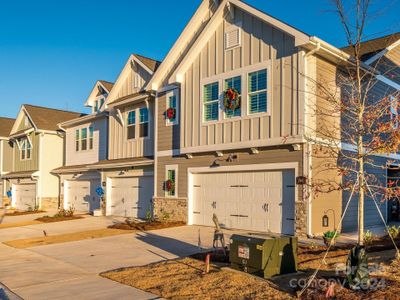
91,137
172,104
77,139
211,102
170,187
25,149
258,94
236,83
144,122
131,125
394,111
84,139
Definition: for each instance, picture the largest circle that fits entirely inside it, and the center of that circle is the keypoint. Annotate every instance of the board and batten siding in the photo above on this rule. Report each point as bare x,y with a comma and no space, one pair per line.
99,151
119,145
29,164
262,46
128,86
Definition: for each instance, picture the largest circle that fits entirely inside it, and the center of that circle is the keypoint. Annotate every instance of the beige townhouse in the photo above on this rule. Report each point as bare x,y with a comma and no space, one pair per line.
37,148
232,97
6,157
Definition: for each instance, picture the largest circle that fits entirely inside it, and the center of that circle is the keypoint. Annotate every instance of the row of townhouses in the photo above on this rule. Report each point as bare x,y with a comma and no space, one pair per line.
160,141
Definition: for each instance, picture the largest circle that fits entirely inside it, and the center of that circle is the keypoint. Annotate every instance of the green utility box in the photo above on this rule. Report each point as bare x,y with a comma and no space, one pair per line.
264,256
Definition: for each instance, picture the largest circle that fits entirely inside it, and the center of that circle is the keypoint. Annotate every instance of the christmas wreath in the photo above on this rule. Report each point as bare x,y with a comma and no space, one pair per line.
170,113
169,185
231,99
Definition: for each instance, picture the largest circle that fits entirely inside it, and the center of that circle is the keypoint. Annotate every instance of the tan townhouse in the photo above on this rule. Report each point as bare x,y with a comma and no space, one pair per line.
232,97
6,157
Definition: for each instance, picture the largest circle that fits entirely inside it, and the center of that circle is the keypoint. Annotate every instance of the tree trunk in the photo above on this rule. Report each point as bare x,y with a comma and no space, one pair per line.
361,204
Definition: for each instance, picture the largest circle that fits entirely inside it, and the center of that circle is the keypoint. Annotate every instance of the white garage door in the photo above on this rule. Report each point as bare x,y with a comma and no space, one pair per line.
259,201
131,197
81,194
24,196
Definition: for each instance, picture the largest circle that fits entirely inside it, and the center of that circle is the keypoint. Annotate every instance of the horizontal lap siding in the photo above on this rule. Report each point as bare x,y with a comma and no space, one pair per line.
168,136
261,43
244,158
119,146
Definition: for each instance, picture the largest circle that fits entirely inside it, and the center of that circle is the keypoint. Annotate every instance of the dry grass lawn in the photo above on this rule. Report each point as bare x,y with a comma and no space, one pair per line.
19,224
184,279
64,238
23,213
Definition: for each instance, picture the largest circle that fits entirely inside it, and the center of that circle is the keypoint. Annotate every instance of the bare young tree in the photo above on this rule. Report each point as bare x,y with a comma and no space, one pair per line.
356,119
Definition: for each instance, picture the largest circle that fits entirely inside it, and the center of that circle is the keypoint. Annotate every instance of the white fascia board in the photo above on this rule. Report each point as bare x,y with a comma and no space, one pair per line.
382,53
201,40
179,45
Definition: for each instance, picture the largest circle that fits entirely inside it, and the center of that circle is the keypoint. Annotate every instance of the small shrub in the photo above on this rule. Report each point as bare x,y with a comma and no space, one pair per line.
331,234
394,231
65,213
368,237
149,216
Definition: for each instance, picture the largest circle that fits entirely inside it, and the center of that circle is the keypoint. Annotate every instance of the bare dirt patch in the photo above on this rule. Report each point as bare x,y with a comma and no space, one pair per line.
18,224
53,219
184,278
64,238
145,226
23,213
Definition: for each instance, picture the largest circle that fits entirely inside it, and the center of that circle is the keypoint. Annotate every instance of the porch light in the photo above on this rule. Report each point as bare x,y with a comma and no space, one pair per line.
325,221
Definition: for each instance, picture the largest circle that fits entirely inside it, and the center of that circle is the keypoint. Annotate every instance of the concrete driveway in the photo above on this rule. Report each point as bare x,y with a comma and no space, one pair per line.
68,270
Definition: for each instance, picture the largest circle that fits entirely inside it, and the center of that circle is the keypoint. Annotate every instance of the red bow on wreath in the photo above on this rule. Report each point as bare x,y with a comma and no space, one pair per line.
169,185
231,99
231,94
171,113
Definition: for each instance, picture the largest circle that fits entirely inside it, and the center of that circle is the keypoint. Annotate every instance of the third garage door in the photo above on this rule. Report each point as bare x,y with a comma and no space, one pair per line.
131,197
259,201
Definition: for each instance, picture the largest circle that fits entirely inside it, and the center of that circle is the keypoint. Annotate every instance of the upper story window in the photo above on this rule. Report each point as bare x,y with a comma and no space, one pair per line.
131,125
257,92
171,181
25,149
101,103
143,122
172,108
235,83
394,111
211,102
84,139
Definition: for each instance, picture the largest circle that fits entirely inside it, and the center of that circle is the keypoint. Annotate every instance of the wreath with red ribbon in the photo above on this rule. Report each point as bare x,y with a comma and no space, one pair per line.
169,185
170,113
231,99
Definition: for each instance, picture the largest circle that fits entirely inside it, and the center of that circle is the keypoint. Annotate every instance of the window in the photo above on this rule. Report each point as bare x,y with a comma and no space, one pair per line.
131,125
394,111
96,106
143,122
258,92
211,102
91,134
172,103
171,181
25,149
77,135
84,139
101,103
236,83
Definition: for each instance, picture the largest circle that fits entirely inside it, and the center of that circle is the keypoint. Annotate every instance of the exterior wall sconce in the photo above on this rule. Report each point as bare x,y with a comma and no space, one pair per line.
219,154
296,147
325,218
103,184
254,151
189,156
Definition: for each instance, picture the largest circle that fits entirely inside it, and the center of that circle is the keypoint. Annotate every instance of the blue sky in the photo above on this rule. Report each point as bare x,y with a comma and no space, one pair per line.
52,52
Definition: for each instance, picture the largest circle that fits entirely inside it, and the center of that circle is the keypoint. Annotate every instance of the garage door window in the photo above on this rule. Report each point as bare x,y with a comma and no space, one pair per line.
170,183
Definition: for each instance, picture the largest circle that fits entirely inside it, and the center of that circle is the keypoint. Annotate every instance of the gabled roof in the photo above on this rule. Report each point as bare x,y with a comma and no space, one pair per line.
44,118
107,85
371,47
150,63
6,124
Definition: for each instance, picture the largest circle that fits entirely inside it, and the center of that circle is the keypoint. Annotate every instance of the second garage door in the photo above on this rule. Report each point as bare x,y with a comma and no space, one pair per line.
24,196
258,201
81,194
131,197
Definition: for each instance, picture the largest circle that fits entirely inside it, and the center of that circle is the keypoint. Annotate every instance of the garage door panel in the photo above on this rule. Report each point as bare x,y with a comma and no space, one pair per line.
82,196
25,196
247,200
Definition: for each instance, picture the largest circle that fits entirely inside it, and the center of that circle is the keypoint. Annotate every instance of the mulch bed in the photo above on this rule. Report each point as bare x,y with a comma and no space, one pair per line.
48,219
23,213
145,226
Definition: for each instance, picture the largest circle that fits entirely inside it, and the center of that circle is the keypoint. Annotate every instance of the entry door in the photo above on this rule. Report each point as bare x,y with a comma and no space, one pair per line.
25,196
